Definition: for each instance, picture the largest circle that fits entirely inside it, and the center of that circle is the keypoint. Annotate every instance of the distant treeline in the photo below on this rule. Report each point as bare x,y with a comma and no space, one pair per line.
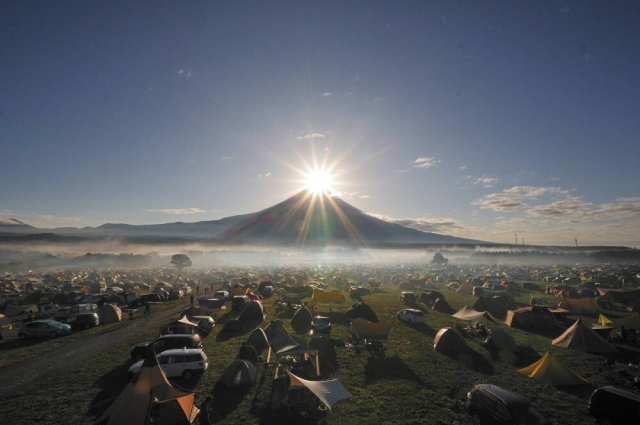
604,255
17,262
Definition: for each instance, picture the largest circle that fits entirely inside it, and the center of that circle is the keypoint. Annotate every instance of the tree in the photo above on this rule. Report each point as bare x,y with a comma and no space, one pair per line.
439,259
180,261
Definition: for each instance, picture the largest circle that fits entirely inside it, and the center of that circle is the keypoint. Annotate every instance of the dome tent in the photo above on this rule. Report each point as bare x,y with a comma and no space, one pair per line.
238,372
301,321
501,339
449,339
362,311
109,313
258,339
252,312
275,329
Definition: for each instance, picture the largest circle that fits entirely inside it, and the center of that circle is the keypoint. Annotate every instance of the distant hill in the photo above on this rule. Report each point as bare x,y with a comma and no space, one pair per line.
303,219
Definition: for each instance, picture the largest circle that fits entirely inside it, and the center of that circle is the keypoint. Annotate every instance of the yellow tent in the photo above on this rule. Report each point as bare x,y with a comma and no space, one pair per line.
548,369
582,338
604,320
335,296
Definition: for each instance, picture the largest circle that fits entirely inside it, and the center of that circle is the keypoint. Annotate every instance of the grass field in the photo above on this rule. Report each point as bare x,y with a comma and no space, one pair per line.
413,384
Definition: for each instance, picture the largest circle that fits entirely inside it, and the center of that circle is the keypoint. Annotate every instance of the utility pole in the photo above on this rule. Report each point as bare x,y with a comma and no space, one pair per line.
576,242
523,241
516,239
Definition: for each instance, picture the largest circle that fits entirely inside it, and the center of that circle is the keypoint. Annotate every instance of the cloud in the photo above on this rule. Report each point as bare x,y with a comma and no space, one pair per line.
486,182
311,136
260,176
462,167
326,94
225,158
424,162
424,224
512,199
563,208
10,221
185,73
178,211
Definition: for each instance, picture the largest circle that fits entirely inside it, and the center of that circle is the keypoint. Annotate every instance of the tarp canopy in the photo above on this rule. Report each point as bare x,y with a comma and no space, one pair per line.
328,392
580,305
362,329
238,372
548,369
471,316
582,338
212,303
449,339
501,339
109,313
150,399
604,320
335,296
301,321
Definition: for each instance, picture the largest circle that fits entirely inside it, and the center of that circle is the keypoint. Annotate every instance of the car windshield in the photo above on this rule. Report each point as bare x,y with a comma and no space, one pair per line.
528,415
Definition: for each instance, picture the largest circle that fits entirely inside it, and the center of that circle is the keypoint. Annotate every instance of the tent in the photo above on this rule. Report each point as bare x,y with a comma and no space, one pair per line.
301,321
501,339
5,322
294,295
238,372
631,322
548,369
109,313
180,326
531,317
497,306
195,311
335,296
258,339
627,298
471,316
13,310
582,338
252,312
465,288
441,305
604,320
328,392
605,332
449,339
239,291
233,325
361,329
150,399
275,329
248,352
362,311
289,345
212,303
580,305
429,297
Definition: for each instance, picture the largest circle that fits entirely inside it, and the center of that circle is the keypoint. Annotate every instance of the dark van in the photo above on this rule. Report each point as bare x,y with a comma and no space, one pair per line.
615,405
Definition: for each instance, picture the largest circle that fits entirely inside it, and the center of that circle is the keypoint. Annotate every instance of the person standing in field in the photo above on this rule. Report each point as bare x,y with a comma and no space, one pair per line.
147,309
130,318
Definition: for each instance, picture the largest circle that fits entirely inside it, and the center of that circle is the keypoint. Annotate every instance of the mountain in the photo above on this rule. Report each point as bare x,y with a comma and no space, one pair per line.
303,219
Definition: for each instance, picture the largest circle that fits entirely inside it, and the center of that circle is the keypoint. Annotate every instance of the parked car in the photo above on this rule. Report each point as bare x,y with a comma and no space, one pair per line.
77,309
43,328
83,320
412,315
221,295
205,323
166,342
490,404
47,310
176,294
408,298
177,362
614,405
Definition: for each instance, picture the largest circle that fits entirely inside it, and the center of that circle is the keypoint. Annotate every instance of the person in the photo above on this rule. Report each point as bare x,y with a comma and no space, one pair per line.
130,318
197,289
191,300
624,334
147,308
205,411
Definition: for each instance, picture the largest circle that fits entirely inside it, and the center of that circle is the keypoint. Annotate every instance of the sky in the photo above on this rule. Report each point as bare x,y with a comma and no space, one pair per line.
474,119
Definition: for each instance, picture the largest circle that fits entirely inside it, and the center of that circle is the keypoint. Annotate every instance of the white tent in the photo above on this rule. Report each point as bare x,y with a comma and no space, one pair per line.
328,392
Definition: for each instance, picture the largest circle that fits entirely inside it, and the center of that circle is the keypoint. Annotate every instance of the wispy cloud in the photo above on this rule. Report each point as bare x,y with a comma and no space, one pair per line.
185,73
326,94
513,199
424,162
311,136
462,167
486,182
266,175
178,211
425,224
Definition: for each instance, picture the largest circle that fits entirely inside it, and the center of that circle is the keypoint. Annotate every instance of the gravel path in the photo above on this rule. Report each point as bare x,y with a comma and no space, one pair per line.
18,376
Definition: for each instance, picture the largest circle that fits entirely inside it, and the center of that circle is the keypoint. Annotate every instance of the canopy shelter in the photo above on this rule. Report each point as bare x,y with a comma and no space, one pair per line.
335,296
604,320
238,372
582,338
180,326
328,392
361,329
289,351
501,339
150,399
212,303
472,317
548,369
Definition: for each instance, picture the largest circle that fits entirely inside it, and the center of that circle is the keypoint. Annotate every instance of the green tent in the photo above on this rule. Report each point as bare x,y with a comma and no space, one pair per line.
501,339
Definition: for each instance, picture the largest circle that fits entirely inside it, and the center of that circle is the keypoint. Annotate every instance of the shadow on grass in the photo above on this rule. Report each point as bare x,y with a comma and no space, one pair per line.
526,356
226,400
423,328
111,385
328,359
243,328
390,368
472,360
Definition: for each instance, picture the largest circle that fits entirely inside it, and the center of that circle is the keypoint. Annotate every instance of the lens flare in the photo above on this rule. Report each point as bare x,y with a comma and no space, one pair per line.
318,181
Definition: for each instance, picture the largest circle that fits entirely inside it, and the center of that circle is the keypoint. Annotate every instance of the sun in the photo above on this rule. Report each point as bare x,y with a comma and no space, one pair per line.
318,181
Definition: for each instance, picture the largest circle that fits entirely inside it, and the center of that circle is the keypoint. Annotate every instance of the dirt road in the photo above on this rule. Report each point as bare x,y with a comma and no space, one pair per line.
18,376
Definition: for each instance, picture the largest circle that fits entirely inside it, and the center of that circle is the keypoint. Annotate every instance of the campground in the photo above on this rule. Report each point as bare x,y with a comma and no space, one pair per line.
410,383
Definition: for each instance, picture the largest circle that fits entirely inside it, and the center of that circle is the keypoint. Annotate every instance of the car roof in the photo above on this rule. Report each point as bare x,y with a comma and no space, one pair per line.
506,396
179,336
621,391
178,351
412,310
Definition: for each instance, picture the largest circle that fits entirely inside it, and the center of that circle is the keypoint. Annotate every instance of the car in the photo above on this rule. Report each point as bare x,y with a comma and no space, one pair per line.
77,309
47,310
181,362
408,297
412,315
615,405
221,295
82,320
176,294
166,342
43,328
491,404
205,323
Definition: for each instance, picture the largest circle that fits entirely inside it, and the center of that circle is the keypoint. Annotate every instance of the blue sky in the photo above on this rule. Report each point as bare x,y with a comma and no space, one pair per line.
465,118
